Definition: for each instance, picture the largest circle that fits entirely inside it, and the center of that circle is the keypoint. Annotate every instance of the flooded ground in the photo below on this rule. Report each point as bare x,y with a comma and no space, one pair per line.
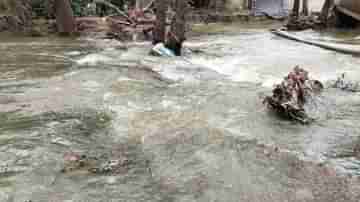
163,129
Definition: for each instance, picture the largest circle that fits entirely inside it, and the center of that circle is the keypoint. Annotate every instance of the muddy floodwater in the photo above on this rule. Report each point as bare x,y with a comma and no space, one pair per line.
182,129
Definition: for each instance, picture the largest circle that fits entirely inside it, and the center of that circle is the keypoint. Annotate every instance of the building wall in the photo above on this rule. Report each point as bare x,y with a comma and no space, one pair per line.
233,5
314,5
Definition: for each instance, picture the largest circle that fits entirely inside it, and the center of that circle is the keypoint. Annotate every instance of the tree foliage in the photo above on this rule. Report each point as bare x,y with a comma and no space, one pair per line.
80,7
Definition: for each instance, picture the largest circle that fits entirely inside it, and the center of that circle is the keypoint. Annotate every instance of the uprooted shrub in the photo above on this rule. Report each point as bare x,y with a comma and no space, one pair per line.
289,98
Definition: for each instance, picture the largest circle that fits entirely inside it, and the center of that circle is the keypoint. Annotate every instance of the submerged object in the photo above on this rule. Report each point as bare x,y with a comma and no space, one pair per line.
160,50
289,97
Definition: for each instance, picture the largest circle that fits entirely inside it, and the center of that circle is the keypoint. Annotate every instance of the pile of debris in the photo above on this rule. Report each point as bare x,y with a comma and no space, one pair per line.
290,97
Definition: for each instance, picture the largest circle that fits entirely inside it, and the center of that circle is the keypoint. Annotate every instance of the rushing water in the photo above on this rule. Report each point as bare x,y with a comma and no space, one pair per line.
190,129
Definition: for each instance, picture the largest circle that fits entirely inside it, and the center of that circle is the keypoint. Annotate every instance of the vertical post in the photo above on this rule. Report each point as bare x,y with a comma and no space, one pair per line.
296,8
160,24
65,20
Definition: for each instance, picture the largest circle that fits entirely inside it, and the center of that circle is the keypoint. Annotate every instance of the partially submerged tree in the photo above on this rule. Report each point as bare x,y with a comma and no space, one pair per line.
176,36
65,20
173,37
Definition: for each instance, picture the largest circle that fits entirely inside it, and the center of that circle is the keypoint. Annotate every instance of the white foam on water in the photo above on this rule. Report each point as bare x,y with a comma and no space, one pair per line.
72,73
234,68
121,79
92,86
270,82
170,104
108,96
73,53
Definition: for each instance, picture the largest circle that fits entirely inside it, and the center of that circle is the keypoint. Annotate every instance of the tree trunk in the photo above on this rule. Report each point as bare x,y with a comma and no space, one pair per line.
296,8
305,8
19,15
161,7
176,36
325,10
64,17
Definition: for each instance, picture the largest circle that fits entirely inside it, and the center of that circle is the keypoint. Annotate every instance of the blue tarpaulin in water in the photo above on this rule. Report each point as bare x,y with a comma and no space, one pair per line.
271,7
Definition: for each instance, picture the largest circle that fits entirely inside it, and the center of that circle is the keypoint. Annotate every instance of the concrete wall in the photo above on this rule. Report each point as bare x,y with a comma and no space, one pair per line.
314,5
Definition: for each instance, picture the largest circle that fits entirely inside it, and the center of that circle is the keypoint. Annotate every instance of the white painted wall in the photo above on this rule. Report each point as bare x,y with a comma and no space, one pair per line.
314,5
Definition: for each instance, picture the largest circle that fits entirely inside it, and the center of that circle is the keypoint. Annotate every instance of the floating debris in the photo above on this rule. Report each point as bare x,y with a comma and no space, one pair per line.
94,164
346,85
